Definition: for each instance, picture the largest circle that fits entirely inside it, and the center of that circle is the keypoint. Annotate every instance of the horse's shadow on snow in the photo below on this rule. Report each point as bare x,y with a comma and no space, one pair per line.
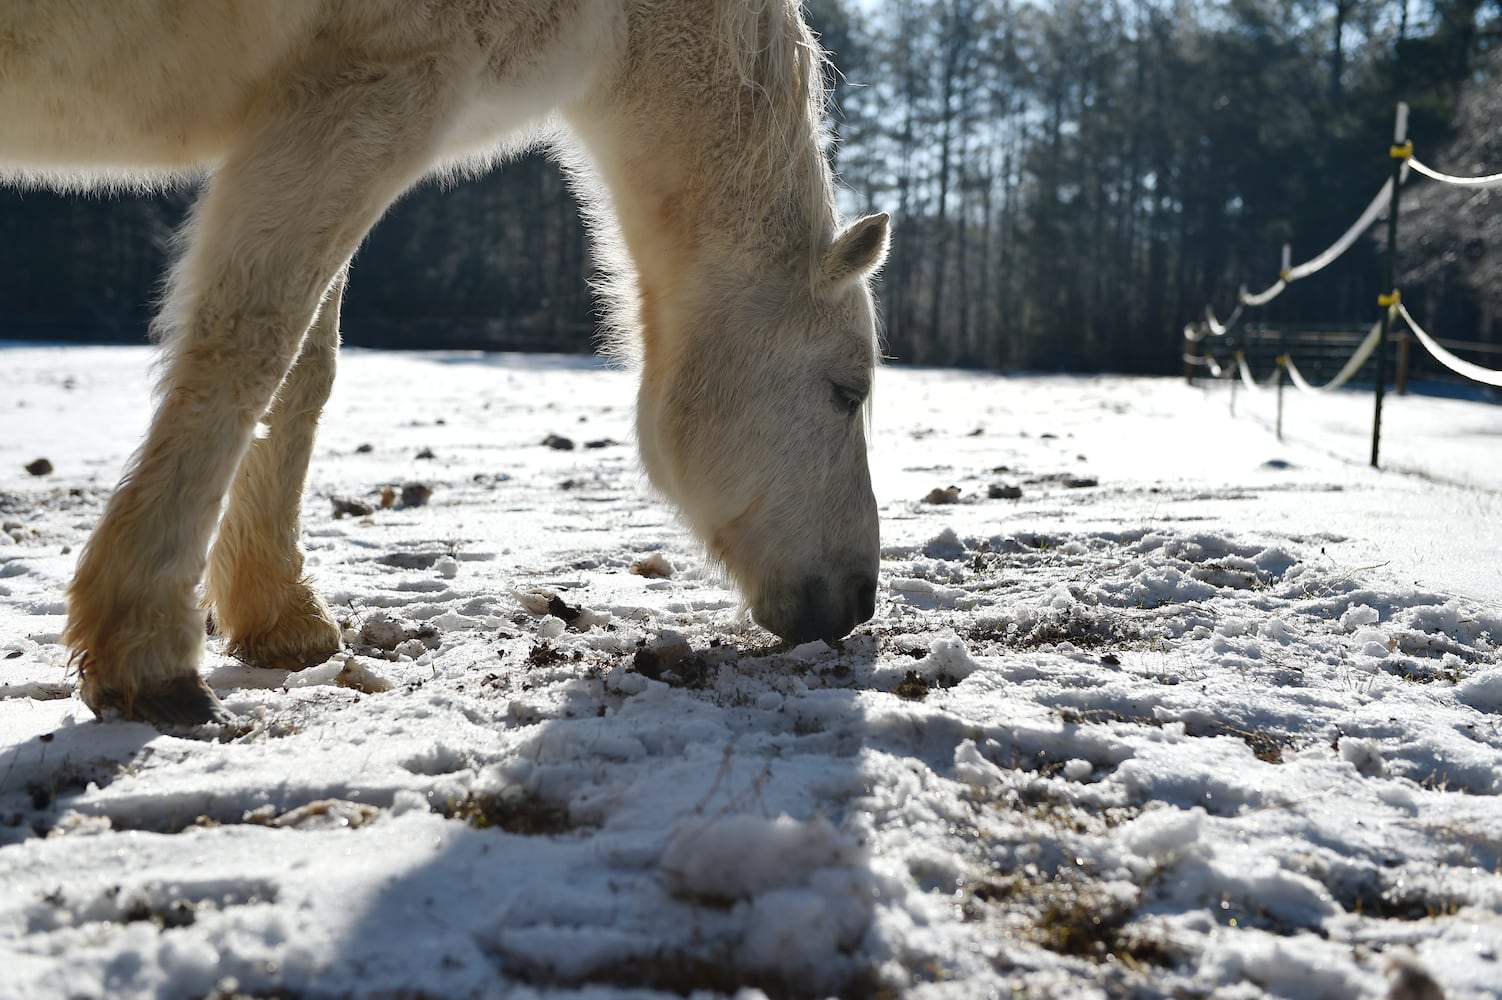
42,775
694,830
680,834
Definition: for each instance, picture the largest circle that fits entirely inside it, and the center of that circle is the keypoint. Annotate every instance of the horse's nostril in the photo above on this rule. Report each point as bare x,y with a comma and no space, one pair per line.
865,598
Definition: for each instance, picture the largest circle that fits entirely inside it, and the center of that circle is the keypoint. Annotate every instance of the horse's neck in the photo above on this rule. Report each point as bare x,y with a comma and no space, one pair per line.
682,149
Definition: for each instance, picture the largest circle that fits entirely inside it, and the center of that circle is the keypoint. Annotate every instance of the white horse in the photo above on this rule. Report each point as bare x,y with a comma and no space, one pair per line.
693,129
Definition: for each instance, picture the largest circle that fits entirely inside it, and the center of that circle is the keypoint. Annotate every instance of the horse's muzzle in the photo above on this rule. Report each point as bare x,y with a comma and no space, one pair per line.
822,611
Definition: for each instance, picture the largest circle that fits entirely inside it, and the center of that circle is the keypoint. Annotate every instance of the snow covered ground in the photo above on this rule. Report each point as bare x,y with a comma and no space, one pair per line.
1198,714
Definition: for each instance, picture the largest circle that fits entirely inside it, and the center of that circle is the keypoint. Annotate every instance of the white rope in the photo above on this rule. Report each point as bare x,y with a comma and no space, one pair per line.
1457,365
1265,296
1218,328
1352,366
1343,244
1246,375
1331,253
1490,180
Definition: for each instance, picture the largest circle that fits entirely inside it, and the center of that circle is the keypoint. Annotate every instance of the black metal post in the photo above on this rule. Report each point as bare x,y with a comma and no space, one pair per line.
1400,151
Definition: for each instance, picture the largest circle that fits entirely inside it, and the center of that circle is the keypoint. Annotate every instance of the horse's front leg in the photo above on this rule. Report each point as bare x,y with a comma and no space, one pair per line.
134,625
280,219
255,585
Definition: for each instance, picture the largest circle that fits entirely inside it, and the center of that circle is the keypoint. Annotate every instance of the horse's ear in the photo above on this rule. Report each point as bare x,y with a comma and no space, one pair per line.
857,251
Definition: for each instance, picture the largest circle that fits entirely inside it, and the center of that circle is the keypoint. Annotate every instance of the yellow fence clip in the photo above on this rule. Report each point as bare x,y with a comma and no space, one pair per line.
1389,300
1283,276
1402,152
1282,361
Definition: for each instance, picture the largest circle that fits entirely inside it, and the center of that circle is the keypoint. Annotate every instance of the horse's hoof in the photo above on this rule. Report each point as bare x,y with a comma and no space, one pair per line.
288,655
182,701
303,634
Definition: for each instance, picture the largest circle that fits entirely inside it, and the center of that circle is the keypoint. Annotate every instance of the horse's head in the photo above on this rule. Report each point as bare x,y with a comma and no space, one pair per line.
752,422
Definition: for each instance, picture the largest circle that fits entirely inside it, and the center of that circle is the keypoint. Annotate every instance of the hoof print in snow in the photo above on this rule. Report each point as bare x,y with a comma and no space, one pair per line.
41,467
601,443
388,633
558,442
365,449
1002,491
944,494
1073,482
425,454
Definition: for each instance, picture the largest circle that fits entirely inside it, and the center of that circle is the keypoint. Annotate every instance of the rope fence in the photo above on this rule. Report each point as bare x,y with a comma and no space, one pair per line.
1375,342
1357,360
1490,180
1246,374
1459,366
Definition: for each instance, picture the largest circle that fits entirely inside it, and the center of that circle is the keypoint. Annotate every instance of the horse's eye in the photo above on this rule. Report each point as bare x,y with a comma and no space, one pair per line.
848,399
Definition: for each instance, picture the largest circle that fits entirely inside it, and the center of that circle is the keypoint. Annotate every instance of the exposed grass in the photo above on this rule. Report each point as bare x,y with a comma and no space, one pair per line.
1074,918
1385,899
912,687
718,972
695,669
525,815
1081,626
1265,745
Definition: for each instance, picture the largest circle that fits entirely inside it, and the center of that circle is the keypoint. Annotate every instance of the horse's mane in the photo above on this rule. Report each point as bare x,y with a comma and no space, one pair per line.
779,122
784,75
778,60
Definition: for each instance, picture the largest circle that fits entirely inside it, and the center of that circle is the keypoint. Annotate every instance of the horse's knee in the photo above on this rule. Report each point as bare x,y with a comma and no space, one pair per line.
233,361
308,385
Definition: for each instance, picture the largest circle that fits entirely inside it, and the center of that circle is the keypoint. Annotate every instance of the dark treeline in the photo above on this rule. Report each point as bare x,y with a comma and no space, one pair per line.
1074,180
498,261
1071,182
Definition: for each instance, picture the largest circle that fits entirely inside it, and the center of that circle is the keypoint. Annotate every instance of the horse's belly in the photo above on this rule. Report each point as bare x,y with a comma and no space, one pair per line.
135,84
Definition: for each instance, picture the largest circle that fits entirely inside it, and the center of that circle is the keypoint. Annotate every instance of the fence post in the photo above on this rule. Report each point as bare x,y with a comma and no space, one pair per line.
1400,151
1285,323
1282,371
1404,339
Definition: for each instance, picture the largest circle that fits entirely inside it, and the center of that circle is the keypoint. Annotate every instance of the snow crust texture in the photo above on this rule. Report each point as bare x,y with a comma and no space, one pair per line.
1152,705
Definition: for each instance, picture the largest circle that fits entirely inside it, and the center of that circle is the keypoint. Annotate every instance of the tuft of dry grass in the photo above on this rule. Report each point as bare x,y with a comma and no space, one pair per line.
524,815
